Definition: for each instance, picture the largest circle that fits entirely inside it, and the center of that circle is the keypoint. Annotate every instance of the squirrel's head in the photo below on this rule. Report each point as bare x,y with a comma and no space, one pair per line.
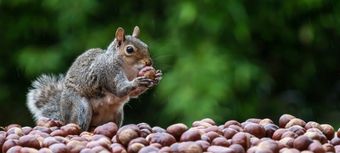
131,50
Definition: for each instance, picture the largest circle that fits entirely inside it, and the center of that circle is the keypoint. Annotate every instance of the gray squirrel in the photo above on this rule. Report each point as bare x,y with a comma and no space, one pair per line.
97,85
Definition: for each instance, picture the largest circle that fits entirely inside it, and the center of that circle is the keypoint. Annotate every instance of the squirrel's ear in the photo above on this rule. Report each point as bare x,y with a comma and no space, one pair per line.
136,32
120,35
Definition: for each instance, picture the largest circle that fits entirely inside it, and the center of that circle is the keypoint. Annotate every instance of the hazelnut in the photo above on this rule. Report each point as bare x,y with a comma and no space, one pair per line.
237,148
289,134
335,141
220,141
144,126
270,145
287,142
29,141
58,148
242,139
255,129
204,144
126,134
295,121
71,129
278,133
164,139
149,149
297,129
209,120
177,130
15,149
288,150
316,147
108,129
284,119
8,144
28,150
220,149
158,129
328,147
312,124
266,121
201,124
59,133
100,149
189,147
229,133
209,136
13,136
135,147
327,130
302,142
254,141
43,129
117,148
144,132
231,122
49,141
165,149
45,150
75,146
270,129
139,140
190,135
104,142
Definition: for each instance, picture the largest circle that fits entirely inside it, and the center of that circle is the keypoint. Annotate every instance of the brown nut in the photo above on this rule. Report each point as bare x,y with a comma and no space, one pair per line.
8,144
296,121
189,147
75,146
104,142
164,139
335,141
297,129
15,149
288,150
150,74
220,149
312,124
157,129
165,149
209,136
45,150
190,135
177,130
327,130
316,147
59,148
270,129
28,150
220,141
208,120
302,142
100,149
204,144
270,145
59,133
108,129
229,133
15,130
135,147
149,149
242,139
126,133
278,133
287,142
29,141
117,148
71,129
237,148
328,147
255,129
139,140
266,121
231,122
49,141
284,119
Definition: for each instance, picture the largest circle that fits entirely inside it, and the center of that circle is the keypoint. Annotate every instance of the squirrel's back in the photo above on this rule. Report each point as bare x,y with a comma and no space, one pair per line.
44,95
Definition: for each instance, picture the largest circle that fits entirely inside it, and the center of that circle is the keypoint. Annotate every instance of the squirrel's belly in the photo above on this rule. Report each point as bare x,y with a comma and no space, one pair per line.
107,109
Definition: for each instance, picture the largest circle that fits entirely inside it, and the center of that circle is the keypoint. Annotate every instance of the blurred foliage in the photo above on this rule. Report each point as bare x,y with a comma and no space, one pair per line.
221,59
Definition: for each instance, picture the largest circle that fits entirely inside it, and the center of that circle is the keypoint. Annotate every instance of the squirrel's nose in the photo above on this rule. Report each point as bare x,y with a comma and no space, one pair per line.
148,62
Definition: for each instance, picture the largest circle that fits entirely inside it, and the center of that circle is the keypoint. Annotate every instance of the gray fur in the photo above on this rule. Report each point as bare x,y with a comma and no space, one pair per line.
95,87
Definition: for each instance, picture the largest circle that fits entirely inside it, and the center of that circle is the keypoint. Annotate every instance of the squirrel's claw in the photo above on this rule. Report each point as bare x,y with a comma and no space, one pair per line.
143,81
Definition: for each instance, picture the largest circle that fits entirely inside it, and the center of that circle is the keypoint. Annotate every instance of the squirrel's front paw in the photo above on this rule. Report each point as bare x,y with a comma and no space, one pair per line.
158,77
143,81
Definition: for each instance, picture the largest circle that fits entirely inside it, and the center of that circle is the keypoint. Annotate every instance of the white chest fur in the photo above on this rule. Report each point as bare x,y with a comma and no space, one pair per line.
106,108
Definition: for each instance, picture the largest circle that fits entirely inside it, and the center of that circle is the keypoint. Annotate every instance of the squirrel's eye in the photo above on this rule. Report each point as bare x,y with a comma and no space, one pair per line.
129,49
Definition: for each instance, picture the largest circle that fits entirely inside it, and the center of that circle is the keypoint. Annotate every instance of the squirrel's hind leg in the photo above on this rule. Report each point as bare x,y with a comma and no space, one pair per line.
76,109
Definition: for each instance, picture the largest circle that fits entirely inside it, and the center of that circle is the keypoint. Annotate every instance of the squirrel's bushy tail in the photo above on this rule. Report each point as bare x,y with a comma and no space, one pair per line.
44,96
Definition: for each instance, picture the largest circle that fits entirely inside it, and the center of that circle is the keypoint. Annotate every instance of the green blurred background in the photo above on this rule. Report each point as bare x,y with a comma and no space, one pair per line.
221,59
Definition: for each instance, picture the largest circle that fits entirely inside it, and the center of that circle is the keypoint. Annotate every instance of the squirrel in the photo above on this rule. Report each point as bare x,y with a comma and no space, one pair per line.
97,85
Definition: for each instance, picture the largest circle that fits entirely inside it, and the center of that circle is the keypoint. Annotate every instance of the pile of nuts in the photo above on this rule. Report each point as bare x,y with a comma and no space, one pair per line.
291,135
